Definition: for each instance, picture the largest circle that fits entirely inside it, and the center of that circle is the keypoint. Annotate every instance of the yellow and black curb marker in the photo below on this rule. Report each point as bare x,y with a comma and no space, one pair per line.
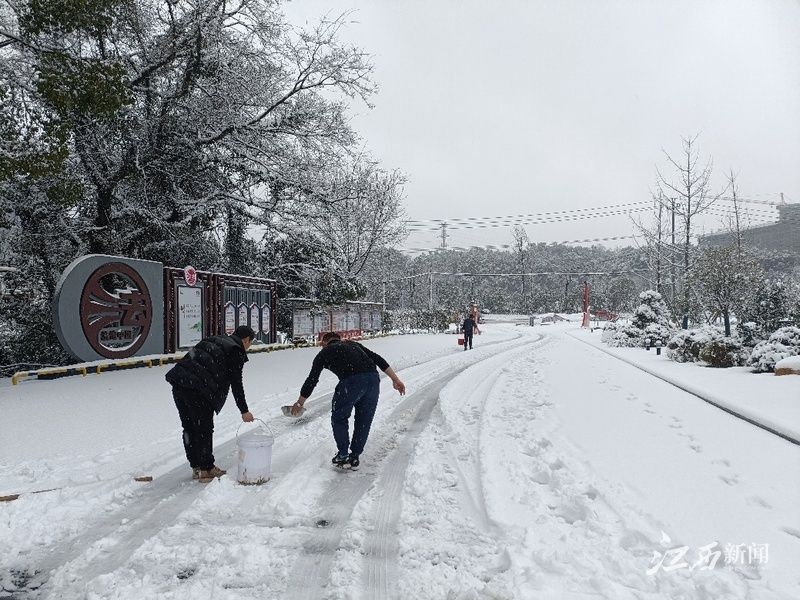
121,365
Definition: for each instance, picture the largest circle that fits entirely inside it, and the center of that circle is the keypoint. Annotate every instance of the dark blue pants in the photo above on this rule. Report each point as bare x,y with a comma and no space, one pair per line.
197,418
359,392
467,339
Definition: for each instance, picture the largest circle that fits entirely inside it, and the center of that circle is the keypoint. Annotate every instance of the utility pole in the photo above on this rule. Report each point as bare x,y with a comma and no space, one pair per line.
444,236
672,254
430,277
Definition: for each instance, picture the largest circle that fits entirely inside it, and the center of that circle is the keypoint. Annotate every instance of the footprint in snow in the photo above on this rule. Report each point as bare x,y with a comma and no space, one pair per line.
541,477
732,480
759,501
791,531
185,573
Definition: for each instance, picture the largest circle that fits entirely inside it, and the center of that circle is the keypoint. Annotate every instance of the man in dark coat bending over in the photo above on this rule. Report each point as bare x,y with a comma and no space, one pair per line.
200,384
359,387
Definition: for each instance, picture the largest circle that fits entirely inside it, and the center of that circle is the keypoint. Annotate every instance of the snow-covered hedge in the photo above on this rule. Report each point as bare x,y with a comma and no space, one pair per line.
723,353
608,332
685,346
790,363
625,336
657,334
783,343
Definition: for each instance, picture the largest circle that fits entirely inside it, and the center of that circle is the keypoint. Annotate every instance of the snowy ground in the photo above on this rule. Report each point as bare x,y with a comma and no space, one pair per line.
534,466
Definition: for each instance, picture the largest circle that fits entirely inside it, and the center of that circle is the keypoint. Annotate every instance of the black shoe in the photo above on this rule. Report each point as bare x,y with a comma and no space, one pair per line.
341,462
353,461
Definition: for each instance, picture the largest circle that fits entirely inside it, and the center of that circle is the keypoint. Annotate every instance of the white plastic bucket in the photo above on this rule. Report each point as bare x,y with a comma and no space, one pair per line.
255,455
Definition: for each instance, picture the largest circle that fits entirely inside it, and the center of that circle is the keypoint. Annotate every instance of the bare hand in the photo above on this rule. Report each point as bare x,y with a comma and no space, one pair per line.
247,417
296,408
399,386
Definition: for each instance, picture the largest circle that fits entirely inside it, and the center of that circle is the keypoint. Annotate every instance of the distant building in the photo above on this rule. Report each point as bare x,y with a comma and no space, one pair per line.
783,236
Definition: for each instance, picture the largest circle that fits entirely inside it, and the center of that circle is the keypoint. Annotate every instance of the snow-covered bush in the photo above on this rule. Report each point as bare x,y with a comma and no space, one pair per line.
626,336
657,334
652,309
749,334
650,320
783,343
609,331
685,346
723,353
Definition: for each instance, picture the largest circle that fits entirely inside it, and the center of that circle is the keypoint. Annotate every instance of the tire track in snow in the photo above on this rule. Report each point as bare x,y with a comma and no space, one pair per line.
388,474
313,566
380,546
472,481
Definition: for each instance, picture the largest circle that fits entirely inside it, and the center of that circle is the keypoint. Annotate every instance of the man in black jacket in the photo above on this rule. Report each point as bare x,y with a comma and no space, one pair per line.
468,328
200,384
358,388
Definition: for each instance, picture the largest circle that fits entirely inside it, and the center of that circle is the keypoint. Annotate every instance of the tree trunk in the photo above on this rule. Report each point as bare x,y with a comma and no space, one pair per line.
100,236
234,243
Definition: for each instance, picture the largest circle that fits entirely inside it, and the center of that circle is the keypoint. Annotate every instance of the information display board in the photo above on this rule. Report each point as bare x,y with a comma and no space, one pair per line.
190,315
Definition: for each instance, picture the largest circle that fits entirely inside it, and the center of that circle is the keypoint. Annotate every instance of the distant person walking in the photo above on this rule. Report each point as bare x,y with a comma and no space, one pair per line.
200,384
358,388
468,327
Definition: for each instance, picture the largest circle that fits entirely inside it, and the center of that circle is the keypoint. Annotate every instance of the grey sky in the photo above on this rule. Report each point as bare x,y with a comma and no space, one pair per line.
525,107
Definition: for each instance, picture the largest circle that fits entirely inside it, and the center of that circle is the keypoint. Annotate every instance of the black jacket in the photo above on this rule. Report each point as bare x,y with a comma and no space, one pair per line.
212,368
343,358
468,326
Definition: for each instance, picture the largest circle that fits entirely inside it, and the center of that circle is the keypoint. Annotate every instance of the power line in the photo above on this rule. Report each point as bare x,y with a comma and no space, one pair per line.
532,221
535,274
566,213
761,217
526,215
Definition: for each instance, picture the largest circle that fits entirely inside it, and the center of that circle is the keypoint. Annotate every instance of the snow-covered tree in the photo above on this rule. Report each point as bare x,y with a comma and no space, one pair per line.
687,194
364,217
169,130
769,304
725,276
651,311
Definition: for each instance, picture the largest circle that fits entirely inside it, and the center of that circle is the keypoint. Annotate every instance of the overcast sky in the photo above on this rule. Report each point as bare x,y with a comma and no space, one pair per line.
514,107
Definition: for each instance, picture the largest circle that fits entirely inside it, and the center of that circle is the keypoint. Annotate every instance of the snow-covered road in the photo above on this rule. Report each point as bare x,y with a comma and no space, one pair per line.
533,466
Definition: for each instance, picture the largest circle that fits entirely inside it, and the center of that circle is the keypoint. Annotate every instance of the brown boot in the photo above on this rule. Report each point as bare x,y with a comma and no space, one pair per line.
195,473
204,476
